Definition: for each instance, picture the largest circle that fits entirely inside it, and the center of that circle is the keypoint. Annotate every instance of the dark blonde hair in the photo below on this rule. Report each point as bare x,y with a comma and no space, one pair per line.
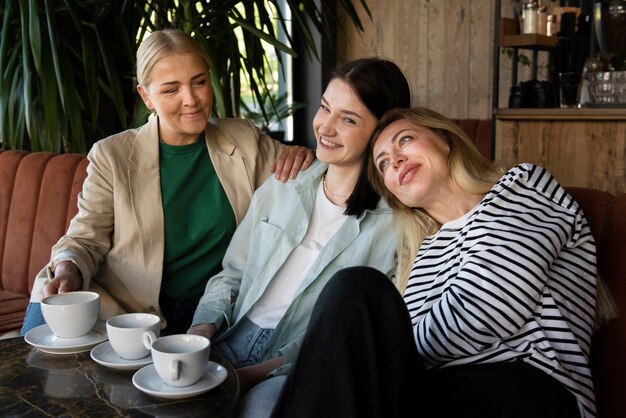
468,168
160,44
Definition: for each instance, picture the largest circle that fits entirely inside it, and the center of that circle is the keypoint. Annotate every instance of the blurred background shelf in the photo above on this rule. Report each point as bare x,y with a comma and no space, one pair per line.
511,38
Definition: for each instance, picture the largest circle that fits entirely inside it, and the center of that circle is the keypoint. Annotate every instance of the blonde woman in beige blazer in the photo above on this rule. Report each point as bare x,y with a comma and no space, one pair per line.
115,244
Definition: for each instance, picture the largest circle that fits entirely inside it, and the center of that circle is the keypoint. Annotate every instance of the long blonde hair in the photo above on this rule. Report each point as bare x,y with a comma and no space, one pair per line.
468,168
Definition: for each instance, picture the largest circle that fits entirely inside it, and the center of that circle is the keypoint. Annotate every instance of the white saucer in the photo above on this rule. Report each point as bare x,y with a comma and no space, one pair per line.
42,338
147,380
105,355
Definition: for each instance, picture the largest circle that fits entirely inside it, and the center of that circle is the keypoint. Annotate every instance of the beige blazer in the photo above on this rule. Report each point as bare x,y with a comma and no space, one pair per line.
116,238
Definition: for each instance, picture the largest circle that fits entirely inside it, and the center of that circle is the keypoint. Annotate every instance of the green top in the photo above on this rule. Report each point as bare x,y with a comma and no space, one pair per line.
199,220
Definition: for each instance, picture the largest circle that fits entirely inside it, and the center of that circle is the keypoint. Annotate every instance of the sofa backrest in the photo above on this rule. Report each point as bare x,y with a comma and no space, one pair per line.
606,215
38,194
479,131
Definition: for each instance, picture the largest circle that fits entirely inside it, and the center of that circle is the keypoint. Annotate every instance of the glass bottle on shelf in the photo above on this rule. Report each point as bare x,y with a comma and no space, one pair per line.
551,25
530,17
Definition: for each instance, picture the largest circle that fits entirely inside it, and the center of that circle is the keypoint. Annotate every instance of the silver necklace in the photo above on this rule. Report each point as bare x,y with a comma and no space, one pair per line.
327,190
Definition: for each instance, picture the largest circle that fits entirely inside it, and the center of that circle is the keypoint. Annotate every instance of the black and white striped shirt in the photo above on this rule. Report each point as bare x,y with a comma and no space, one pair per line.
515,278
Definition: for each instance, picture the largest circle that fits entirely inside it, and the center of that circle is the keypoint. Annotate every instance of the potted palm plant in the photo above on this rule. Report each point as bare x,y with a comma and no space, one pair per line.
67,66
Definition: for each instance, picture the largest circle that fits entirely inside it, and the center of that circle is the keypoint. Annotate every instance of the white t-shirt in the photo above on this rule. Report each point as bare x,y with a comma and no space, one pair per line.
326,219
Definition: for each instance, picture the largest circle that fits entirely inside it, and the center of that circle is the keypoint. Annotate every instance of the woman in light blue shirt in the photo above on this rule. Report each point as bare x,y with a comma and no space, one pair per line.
295,236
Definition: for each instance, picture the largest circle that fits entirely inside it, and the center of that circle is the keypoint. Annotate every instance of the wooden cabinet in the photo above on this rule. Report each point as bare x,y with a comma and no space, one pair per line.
580,147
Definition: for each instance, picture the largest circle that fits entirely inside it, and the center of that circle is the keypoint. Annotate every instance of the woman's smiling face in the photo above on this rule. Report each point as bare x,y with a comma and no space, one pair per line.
181,94
413,162
342,126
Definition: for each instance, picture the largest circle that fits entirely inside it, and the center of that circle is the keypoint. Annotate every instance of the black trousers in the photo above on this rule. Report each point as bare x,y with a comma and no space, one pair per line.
359,359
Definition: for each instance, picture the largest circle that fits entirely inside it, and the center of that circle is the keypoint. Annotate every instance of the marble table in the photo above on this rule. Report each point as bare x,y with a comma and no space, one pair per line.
33,383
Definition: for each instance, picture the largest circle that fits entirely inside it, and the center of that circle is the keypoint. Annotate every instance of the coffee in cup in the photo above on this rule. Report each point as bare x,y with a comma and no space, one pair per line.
125,333
180,359
72,314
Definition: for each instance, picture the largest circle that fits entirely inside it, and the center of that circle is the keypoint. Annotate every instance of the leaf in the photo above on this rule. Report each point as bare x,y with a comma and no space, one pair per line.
53,113
8,83
218,91
5,40
34,35
73,114
27,101
262,35
54,52
16,111
301,25
351,11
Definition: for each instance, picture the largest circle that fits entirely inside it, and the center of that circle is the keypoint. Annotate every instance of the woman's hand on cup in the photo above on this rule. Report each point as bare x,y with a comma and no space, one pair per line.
67,278
205,330
293,159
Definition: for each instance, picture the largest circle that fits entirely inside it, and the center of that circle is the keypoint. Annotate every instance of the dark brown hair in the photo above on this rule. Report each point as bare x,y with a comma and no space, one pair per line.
381,86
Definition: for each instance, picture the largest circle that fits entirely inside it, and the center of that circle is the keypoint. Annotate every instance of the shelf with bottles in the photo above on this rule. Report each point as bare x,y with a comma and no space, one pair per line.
510,37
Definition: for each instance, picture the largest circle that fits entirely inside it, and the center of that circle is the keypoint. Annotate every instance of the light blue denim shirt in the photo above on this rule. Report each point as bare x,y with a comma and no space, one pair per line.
274,225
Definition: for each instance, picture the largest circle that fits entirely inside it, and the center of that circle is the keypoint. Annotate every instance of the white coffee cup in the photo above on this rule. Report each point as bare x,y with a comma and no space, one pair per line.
180,359
125,333
72,314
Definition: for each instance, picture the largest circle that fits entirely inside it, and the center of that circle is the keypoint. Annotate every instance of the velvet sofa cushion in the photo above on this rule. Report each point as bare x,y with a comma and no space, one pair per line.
479,131
12,308
606,215
38,195
609,344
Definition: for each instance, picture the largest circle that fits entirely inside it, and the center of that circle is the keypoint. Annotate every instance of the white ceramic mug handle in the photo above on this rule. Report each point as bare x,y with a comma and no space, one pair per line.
148,338
175,370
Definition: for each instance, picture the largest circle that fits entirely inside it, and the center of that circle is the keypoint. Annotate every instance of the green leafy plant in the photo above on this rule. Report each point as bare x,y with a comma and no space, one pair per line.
271,110
67,66
522,58
62,63
526,61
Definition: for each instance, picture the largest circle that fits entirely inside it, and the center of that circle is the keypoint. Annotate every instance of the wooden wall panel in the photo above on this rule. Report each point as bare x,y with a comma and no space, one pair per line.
418,76
479,74
443,47
454,56
583,153
437,43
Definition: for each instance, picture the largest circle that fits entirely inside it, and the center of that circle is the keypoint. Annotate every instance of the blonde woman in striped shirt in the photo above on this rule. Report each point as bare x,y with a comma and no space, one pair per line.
498,272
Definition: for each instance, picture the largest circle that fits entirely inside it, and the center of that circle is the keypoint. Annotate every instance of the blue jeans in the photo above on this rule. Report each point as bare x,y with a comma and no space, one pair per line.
242,348
245,345
33,318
